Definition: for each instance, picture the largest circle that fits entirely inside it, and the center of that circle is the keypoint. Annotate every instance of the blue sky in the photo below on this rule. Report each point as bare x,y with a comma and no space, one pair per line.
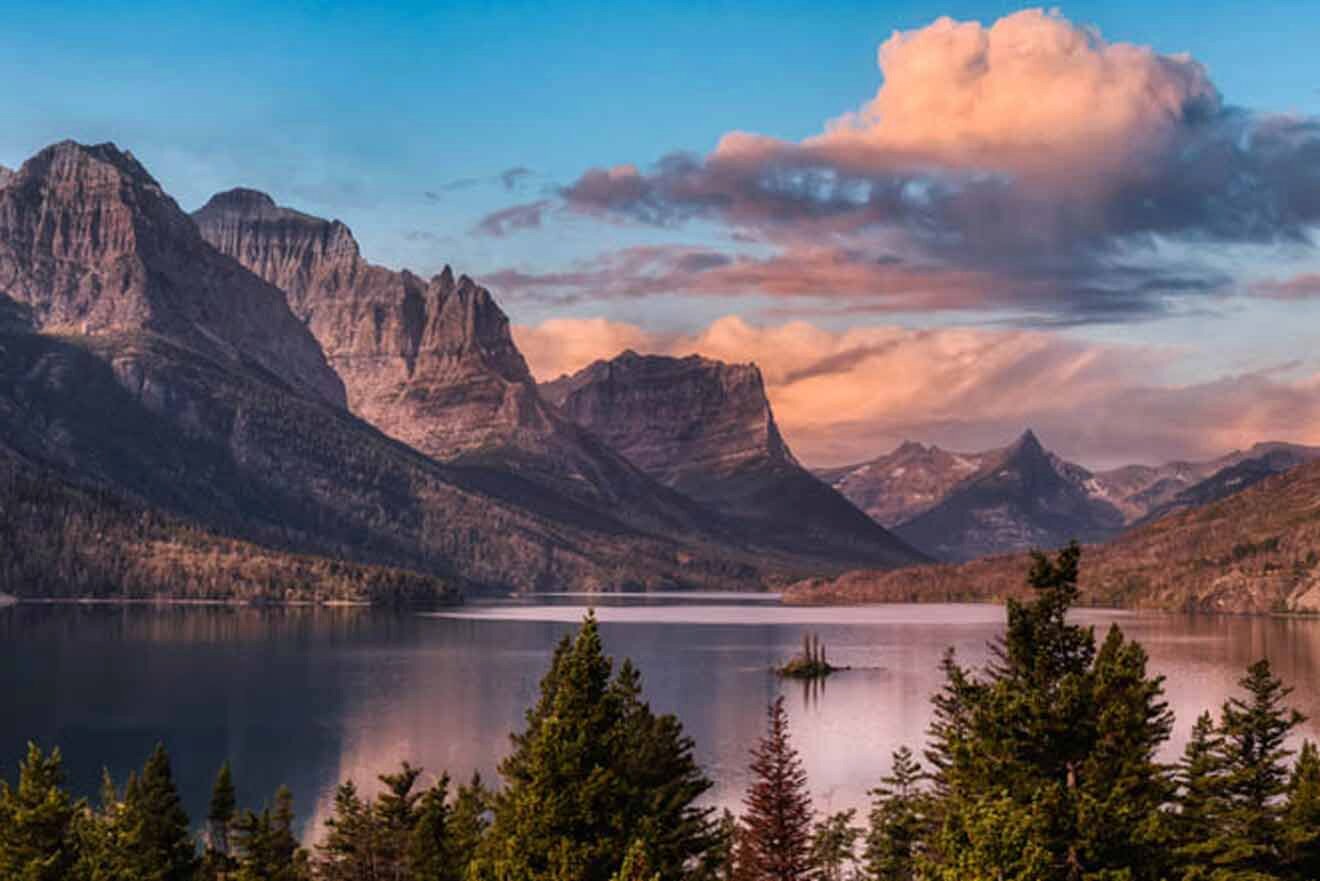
400,118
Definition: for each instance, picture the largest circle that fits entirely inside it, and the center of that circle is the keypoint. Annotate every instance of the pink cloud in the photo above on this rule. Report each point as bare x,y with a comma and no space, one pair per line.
1300,287
851,395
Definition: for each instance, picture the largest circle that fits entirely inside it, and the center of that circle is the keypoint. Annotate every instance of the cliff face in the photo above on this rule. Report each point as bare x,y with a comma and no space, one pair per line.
431,362
91,245
140,362
706,429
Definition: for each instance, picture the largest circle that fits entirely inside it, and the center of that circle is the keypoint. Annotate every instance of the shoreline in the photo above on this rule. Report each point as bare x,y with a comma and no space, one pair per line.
7,600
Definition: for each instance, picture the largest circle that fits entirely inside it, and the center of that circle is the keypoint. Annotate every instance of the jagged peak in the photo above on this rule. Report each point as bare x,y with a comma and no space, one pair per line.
68,155
444,278
1027,442
242,200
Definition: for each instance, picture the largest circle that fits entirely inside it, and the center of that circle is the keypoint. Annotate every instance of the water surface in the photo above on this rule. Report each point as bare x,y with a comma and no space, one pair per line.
310,697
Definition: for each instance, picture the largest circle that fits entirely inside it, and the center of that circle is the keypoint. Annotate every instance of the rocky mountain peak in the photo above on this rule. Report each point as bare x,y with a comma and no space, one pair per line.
91,244
6,175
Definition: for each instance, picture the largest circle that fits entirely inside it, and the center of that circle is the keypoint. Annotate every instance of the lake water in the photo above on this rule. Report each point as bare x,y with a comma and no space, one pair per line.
310,697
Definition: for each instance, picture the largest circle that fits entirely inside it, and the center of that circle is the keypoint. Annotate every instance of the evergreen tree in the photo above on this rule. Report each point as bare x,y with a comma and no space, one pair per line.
36,821
430,853
834,846
265,846
467,825
777,825
898,821
1301,819
1065,732
394,818
154,828
594,772
345,853
1255,732
217,861
1200,800
636,865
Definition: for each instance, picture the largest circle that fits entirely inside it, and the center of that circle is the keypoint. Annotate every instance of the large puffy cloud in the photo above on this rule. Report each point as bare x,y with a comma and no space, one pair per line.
1031,149
847,396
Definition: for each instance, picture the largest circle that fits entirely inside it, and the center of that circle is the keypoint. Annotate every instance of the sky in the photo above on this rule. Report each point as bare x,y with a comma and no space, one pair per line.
944,222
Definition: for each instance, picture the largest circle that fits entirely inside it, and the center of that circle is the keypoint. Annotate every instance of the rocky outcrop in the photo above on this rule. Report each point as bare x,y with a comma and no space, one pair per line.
1021,498
706,429
6,175
430,362
137,360
92,246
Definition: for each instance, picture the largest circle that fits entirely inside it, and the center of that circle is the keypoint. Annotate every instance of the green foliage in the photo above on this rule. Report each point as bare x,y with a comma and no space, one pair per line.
834,846
593,772
1301,817
36,821
810,664
899,821
1057,739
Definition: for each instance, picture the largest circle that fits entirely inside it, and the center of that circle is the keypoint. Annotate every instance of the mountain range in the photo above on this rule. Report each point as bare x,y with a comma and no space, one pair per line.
245,375
1253,551
960,506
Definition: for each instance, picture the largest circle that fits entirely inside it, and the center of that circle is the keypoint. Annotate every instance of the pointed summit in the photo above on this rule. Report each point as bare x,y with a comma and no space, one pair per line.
93,246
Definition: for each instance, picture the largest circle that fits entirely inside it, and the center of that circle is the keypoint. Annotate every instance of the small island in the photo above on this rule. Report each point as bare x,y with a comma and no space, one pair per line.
811,663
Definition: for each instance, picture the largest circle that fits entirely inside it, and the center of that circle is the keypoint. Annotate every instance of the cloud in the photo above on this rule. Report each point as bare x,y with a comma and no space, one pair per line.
1031,149
510,179
858,281
516,217
852,395
1300,287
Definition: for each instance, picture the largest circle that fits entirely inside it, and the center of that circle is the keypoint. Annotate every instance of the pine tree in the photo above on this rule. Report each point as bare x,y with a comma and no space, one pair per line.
345,852
1255,756
265,846
394,818
1301,818
777,825
155,833
898,821
430,853
36,821
217,861
1057,738
593,772
467,825
636,865
834,846
1200,800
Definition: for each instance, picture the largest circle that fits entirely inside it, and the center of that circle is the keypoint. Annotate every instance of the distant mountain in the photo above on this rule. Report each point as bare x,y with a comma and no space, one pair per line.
706,429
1251,552
898,488
139,362
1021,497
6,175
432,363
909,481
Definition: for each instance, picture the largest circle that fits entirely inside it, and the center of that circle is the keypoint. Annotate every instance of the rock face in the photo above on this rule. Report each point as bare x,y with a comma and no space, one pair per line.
706,429
905,483
1022,498
140,362
91,245
429,362
6,175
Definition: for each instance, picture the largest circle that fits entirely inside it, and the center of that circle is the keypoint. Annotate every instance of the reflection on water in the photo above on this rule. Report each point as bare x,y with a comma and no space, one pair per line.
313,696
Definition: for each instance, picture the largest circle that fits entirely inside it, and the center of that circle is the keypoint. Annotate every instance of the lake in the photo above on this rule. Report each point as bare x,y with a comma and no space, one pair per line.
312,696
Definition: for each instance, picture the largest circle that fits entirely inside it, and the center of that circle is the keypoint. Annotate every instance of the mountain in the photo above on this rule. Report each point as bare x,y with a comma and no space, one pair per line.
706,429
140,363
431,363
92,246
1252,552
905,484
1021,497
6,175
909,481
